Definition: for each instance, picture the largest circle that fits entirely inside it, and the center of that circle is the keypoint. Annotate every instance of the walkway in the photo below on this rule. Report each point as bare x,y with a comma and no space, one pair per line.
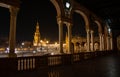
105,66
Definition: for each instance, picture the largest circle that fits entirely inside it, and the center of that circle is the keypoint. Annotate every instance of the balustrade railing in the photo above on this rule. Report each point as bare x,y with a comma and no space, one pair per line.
37,62
26,63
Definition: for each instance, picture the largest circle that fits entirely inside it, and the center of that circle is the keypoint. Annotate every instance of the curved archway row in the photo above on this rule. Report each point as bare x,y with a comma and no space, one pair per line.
65,9
13,6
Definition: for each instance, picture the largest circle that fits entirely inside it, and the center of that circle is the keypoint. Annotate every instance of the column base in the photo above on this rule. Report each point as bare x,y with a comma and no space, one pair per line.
12,55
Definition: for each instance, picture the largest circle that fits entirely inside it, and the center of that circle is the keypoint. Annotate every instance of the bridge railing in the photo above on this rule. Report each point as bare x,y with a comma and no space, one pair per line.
38,62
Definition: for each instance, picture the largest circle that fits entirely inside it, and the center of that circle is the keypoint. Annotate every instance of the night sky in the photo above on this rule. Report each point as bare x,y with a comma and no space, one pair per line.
44,12
30,12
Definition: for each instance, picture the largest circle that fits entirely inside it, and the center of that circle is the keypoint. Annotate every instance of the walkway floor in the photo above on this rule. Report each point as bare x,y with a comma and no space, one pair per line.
105,66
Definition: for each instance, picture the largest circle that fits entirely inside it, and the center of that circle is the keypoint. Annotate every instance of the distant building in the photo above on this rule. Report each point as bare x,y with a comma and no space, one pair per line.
36,41
80,44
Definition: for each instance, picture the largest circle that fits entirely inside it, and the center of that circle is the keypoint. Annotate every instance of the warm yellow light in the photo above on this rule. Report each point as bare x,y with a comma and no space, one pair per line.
47,42
55,43
41,41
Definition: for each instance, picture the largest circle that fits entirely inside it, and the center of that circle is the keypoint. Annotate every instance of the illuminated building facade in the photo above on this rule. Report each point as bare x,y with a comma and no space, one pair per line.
80,44
36,41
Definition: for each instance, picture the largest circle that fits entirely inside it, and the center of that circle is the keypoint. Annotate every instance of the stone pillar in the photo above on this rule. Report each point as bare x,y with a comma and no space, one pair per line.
92,41
105,38
108,43
12,34
100,36
69,37
111,42
60,24
103,42
88,40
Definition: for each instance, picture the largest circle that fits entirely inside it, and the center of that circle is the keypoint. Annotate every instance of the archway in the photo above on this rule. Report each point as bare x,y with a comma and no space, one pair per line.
85,14
78,32
65,17
101,36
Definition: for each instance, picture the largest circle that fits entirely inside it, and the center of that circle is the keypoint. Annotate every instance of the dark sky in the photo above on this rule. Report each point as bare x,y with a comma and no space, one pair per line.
30,12
44,12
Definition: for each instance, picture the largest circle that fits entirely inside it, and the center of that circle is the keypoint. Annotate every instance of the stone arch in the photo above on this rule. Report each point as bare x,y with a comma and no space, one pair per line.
96,20
62,18
83,12
96,46
99,26
59,7
101,34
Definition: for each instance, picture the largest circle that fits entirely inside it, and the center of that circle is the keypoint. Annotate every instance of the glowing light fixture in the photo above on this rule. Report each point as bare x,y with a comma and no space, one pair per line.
67,5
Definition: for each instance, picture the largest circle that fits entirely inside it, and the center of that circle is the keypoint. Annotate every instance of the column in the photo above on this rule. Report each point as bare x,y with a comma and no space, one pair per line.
103,43
111,41
107,42
69,37
88,40
105,38
92,41
12,33
100,36
60,24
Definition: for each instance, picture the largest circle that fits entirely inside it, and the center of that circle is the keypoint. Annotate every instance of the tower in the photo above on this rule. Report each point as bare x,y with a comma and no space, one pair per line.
36,41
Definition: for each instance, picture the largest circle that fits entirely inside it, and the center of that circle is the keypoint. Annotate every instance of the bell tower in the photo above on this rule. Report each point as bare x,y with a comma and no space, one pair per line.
36,41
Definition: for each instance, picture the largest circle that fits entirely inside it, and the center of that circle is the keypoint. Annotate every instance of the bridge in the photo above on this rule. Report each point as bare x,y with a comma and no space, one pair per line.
93,64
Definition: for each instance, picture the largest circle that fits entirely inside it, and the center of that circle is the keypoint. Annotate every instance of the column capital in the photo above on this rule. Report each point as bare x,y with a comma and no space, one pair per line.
92,31
88,30
13,10
100,34
60,22
69,24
